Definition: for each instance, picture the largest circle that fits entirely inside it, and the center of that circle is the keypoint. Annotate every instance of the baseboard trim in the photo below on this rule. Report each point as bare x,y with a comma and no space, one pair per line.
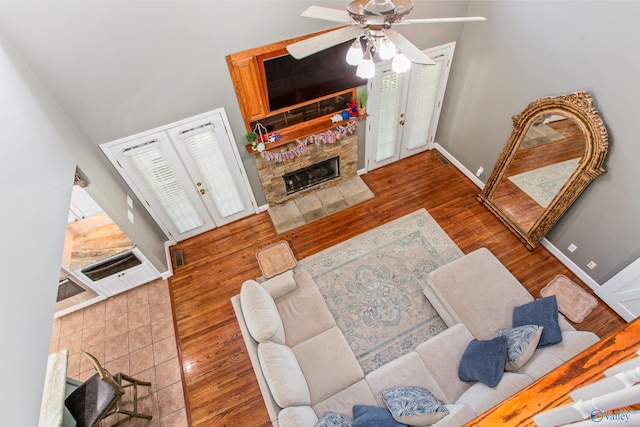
165,275
570,264
544,242
459,165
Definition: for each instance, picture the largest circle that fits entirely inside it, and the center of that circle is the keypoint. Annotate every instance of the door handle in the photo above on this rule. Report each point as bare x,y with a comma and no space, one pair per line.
198,184
202,191
401,122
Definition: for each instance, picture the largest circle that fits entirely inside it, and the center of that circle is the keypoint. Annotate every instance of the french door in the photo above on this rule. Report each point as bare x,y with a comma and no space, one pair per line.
404,108
622,291
188,174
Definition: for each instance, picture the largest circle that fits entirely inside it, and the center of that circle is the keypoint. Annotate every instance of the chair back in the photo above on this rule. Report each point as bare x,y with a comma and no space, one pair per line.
105,375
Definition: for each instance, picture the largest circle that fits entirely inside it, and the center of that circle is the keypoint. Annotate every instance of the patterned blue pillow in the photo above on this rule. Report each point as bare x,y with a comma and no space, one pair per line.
333,419
414,405
522,342
484,361
373,416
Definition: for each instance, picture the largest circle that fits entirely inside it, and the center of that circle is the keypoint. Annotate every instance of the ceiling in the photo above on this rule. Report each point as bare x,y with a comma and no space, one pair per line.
122,67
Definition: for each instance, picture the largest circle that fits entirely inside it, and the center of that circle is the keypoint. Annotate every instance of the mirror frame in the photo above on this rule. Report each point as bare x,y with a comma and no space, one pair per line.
579,107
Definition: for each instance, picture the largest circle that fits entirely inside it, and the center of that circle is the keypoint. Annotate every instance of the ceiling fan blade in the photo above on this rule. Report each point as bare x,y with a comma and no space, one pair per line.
409,50
438,20
307,47
328,14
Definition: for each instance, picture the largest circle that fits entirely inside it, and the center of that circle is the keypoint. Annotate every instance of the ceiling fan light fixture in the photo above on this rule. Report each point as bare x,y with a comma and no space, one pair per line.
400,63
354,54
387,49
366,69
377,7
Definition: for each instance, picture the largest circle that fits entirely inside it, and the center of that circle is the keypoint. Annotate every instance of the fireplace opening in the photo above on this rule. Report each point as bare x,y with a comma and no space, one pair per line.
312,175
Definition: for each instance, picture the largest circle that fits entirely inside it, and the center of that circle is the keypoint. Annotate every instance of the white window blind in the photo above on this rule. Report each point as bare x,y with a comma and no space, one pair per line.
206,151
391,85
155,172
428,84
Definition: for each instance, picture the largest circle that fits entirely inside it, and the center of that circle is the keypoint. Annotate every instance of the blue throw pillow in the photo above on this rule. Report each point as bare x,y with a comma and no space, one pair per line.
542,312
373,416
333,419
484,361
414,405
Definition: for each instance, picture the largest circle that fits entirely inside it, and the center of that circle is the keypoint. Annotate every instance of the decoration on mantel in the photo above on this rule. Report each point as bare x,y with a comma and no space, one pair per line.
328,137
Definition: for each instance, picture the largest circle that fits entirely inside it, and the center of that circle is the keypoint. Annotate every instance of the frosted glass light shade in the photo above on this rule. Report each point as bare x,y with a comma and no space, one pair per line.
366,69
387,50
354,54
400,63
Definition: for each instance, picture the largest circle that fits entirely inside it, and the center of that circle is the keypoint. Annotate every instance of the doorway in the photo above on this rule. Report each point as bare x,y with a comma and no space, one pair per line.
90,235
407,108
189,174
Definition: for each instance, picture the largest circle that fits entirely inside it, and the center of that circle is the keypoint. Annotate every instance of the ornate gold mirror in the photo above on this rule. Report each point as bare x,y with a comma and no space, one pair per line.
557,147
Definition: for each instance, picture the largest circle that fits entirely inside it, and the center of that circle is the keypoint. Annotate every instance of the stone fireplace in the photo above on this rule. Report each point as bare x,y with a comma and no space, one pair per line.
313,175
342,156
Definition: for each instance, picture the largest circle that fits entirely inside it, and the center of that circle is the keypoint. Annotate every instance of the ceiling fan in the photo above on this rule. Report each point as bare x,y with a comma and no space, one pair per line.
370,20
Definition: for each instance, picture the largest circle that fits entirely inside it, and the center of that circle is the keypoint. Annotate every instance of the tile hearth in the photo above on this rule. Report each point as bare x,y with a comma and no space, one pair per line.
294,213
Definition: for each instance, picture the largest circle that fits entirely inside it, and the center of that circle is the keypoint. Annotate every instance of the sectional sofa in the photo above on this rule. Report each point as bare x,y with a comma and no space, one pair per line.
305,367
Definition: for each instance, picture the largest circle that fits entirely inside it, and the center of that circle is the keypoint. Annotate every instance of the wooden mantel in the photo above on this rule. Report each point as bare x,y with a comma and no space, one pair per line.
552,390
294,133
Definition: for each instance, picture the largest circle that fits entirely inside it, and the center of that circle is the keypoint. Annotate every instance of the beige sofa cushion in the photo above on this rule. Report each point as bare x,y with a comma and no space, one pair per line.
304,313
548,358
343,401
283,375
480,397
260,313
297,416
328,364
479,291
458,415
406,370
280,285
441,355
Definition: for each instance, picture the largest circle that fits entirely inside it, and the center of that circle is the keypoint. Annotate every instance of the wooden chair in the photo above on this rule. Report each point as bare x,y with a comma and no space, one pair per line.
101,396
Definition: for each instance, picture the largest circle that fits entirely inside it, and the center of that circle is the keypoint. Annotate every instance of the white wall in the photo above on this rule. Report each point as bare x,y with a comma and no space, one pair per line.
119,68
529,49
113,69
36,172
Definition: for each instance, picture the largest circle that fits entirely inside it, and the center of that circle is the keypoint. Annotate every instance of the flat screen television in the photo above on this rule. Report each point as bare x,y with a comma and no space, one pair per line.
291,81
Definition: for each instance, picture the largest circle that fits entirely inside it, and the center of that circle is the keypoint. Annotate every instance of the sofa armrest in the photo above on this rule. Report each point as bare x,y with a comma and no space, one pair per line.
252,350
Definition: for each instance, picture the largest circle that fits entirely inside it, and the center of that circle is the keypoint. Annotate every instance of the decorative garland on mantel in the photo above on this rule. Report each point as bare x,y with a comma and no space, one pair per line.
328,137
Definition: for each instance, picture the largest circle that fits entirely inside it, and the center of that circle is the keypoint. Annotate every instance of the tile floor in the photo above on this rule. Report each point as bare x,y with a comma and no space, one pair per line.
132,333
318,204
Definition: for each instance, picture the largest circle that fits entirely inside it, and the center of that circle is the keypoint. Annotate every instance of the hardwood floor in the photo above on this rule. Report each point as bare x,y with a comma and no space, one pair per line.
221,389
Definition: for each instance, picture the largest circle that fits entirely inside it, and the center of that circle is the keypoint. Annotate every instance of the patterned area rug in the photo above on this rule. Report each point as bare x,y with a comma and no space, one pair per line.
540,134
373,286
543,184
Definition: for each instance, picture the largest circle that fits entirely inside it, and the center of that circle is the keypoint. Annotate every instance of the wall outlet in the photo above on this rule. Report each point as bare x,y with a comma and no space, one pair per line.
130,215
572,248
129,202
479,171
591,265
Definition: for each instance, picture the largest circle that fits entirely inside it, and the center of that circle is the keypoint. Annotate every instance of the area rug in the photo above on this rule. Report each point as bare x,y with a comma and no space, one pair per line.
543,184
373,283
573,301
540,134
